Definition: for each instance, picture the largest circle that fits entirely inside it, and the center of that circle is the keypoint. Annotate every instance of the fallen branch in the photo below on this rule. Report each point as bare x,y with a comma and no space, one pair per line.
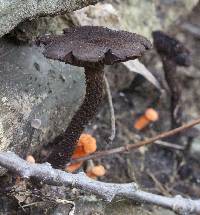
139,144
108,191
112,112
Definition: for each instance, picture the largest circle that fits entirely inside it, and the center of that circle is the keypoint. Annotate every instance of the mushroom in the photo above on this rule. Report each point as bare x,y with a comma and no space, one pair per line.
173,53
96,171
30,159
90,47
150,115
73,167
88,143
85,146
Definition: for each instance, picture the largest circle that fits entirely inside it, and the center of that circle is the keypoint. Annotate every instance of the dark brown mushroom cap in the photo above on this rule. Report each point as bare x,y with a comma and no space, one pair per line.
80,46
171,48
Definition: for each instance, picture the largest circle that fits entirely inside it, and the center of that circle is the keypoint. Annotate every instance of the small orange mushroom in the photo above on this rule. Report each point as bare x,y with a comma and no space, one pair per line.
73,167
88,142
90,147
30,159
79,152
96,171
150,115
85,146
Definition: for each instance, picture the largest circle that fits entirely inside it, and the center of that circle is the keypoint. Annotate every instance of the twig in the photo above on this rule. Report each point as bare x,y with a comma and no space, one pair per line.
112,112
169,145
139,144
136,137
46,174
158,184
31,204
164,143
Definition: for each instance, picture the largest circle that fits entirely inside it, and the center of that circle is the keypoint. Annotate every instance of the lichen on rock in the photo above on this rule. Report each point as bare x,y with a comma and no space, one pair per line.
33,87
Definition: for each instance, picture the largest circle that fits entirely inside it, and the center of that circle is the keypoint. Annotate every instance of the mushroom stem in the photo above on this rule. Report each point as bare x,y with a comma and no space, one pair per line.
64,149
169,67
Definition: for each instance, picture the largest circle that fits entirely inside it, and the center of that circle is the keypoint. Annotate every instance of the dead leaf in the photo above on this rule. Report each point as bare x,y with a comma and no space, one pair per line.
138,67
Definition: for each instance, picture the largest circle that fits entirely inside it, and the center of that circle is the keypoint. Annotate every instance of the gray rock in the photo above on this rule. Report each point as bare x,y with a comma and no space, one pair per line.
139,16
38,97
145,16
12,12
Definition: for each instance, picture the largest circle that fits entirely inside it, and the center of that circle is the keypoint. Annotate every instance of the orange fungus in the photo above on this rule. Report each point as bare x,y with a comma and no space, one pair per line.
150,115
85,146
96,171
